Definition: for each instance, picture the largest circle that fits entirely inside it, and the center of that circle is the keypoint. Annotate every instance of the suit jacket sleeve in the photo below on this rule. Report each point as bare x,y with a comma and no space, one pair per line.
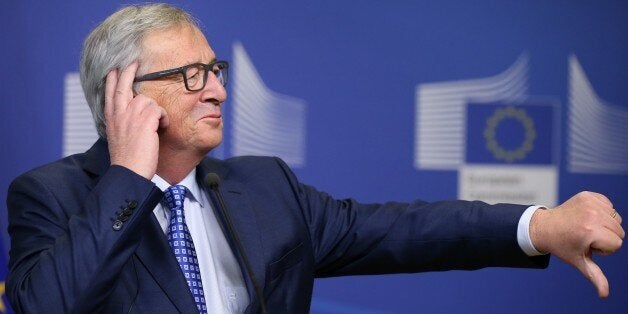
350,238
65,253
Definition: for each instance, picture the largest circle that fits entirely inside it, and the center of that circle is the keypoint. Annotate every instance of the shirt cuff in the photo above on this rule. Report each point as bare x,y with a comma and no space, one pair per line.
523,232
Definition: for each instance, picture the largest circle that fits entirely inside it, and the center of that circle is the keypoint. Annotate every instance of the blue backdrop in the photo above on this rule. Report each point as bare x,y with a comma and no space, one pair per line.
351,80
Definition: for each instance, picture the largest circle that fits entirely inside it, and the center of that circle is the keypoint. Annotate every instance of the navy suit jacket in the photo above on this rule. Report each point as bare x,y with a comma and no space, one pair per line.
68,254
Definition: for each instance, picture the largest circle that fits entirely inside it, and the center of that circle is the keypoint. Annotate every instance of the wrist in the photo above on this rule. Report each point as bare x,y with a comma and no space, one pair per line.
537,230
142,172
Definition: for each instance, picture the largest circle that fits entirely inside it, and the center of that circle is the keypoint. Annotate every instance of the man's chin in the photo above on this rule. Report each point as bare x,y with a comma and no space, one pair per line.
211,144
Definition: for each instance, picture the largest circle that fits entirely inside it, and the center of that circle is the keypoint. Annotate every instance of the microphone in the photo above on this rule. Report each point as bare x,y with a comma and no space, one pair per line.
212,181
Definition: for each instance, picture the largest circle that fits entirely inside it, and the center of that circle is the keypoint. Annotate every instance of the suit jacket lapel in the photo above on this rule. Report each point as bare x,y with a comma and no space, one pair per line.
243,216
155,255
153,252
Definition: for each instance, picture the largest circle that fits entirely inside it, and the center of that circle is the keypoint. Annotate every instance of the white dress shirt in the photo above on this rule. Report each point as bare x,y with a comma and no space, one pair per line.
223,284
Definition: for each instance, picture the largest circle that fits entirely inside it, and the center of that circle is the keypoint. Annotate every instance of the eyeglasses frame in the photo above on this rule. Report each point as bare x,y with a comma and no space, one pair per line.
181,70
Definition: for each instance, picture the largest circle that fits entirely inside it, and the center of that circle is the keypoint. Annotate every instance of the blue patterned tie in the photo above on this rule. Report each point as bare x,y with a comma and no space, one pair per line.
181,244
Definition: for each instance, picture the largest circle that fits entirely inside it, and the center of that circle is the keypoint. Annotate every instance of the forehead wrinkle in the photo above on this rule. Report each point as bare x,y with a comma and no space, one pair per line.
158,57
197,39
206,53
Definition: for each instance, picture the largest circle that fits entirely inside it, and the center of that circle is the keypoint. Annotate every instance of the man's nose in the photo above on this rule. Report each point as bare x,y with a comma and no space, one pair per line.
214,91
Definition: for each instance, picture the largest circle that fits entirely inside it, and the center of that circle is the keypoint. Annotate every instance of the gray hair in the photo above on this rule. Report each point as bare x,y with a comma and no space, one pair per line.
116,43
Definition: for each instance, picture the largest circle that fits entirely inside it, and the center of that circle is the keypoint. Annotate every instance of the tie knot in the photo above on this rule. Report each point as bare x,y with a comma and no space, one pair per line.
174,196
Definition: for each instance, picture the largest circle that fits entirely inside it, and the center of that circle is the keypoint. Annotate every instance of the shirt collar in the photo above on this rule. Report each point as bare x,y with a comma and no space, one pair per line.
194,191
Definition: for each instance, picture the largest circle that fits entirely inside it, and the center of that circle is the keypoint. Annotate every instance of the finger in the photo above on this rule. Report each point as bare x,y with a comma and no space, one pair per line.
593,272
617,217
602,199
163,119
622,233
110,88
608,211
614,224
147,107
607,241
124,88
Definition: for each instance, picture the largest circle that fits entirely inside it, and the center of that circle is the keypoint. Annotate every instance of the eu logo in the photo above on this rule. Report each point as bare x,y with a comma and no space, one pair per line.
504,133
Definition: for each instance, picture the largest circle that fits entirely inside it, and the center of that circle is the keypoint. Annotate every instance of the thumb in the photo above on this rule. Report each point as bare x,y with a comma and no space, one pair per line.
163,119
593,272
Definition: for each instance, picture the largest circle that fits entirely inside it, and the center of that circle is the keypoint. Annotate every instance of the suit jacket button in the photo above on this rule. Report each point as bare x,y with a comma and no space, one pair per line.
132,204
117,225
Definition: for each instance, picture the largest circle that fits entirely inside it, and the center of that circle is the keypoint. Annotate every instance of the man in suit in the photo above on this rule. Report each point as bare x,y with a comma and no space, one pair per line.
145,222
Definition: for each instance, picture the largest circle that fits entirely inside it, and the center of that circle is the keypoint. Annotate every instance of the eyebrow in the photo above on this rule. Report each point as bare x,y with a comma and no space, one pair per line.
197,61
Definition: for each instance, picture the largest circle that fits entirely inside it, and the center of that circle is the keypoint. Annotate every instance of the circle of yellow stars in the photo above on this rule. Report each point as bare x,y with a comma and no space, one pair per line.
491,141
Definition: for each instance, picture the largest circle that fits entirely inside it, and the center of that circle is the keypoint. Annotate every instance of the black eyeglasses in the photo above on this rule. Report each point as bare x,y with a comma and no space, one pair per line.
194,75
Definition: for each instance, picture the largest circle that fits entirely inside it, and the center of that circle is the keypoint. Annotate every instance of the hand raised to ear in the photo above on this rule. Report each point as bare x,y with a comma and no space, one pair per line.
132,123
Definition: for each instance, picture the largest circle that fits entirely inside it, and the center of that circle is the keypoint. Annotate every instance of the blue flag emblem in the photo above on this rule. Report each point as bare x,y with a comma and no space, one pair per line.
501,133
